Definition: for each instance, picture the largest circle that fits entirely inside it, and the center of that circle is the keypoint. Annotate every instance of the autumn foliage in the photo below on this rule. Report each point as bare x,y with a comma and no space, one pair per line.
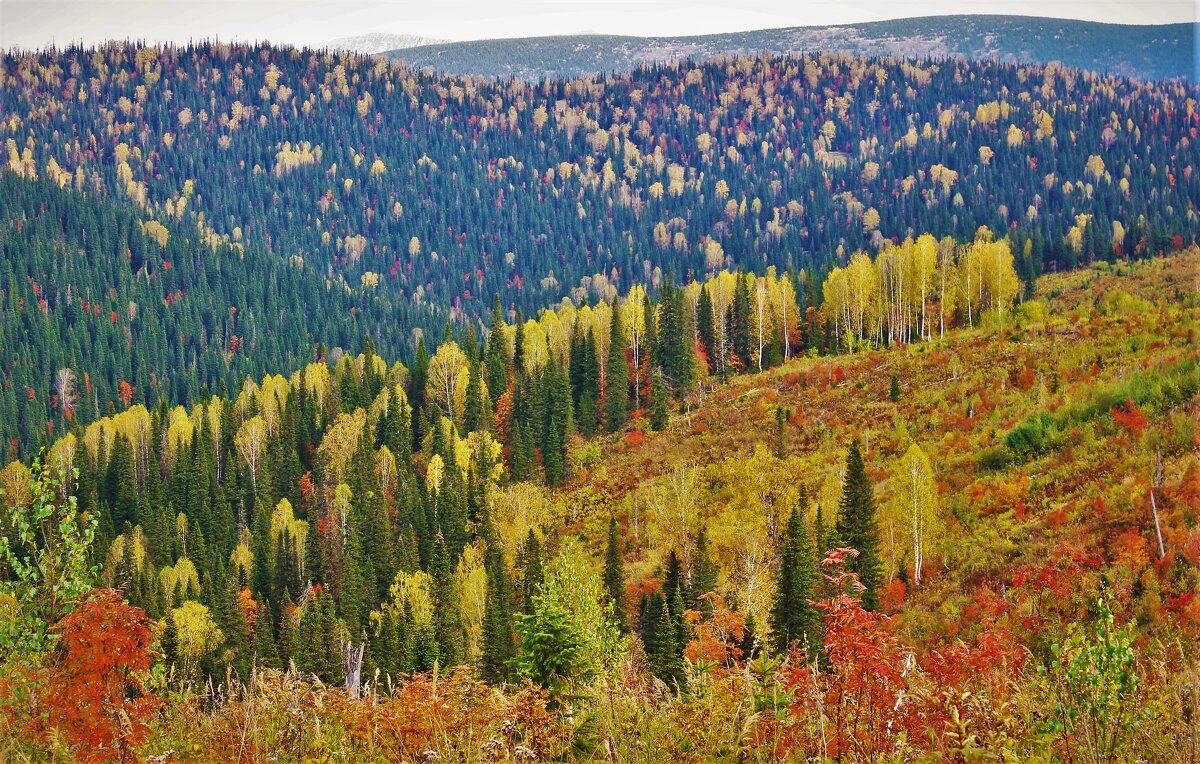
96,697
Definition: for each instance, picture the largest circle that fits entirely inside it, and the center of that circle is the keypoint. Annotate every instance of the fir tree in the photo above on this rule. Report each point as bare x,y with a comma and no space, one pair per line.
266,653
706,329
496,353
616,388
614,574
447,618
531,570
781,417
856,526
740,329
659,413
498,646
794,619
704,574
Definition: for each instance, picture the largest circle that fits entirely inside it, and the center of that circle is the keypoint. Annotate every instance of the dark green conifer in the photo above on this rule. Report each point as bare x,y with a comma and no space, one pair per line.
856,526
616,387
614,573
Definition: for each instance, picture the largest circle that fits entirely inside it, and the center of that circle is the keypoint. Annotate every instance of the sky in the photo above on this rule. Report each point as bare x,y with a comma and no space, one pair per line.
38,23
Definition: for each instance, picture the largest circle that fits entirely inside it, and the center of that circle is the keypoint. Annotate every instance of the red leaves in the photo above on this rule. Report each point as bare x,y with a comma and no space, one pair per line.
1129,416
97,700
718,635
125,393
858,692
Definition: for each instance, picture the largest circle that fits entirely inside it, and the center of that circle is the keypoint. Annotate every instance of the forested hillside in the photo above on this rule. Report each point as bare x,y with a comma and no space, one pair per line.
104,307
648,562
1145,51
404,198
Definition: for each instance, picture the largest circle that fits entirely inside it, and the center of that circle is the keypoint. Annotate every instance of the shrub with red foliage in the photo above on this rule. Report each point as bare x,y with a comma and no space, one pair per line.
857,695
634,438
1129,416
97,699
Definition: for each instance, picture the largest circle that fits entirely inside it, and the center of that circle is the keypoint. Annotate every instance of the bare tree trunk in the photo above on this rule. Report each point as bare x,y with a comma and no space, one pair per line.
1162,552
353,665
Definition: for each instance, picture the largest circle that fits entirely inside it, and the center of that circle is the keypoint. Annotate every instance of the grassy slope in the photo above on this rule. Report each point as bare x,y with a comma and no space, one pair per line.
1042,532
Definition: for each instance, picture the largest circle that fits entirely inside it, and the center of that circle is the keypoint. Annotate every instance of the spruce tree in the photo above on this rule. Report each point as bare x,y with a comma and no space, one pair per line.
659,413
742,337
706,329
704,574
498,625
856,526
266,654
531,570
794,619
496,353
616,387
614,574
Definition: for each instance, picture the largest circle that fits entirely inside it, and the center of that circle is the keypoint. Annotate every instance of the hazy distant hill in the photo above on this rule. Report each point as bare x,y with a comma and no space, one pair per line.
1149,52
380,42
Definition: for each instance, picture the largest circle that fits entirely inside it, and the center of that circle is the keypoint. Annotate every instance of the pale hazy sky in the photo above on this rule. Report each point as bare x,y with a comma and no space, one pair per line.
37,23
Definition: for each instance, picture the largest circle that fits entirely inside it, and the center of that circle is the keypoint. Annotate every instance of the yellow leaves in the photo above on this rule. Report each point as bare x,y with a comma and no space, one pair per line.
470,586
1045,124
180,429
434,474
197,632
290,157
986,154
911,524
870,220
337,447
156,231
446,367
241,559
369,280
414,590
1095,166
1014,136
181,579
515,510
251,441
284,523
939,173
714,254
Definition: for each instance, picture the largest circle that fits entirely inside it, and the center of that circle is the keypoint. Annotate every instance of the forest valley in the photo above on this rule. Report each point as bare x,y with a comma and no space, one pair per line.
174,219
922,519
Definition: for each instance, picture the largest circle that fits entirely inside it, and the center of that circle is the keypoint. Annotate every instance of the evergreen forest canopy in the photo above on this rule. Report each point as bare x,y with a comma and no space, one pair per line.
371,199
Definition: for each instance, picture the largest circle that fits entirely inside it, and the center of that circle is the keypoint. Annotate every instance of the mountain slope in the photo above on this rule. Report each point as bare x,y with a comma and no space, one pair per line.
97,296
1043,468
1146,52
445,191
380,42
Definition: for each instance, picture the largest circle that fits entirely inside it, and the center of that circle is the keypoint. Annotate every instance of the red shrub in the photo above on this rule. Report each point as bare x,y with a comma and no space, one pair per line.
97,699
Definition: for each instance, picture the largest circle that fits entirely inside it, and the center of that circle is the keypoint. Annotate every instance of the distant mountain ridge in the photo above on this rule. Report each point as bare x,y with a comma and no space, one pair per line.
381,42
1146,52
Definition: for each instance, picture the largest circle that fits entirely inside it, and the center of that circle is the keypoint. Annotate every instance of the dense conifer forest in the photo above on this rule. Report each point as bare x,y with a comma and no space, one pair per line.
755,409
406,198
